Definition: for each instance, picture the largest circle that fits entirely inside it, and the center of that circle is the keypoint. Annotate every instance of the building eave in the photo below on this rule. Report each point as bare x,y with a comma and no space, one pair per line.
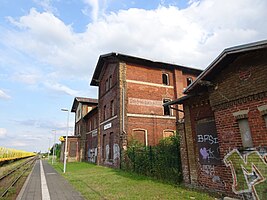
135,60
227,56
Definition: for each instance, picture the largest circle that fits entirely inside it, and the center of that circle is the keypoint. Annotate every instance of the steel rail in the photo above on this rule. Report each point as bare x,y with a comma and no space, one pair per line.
15,168
20,175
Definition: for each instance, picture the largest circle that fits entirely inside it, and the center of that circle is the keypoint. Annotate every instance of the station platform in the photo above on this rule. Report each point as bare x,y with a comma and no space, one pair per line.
45,183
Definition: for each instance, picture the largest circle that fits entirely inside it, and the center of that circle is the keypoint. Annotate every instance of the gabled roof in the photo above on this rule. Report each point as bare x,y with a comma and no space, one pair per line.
225,58
83,100
135,60
94,110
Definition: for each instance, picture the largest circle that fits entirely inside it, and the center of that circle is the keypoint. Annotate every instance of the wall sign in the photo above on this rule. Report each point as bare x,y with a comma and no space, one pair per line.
207,142
94,133
107,126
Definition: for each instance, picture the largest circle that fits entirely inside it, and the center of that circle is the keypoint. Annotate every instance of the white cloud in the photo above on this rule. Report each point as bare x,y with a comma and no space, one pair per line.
3,132
94,4
98,8
47,5
59,88
27,76
4,95
17,144
193,36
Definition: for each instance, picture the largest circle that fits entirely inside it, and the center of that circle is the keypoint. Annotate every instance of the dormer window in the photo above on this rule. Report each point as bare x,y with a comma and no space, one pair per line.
165,79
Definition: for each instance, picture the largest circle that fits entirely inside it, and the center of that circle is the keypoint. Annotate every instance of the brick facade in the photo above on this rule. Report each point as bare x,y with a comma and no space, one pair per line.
137,91
235,98
81,107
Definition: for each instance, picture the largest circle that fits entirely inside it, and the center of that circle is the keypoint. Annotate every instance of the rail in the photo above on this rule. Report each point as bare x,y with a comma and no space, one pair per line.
9,179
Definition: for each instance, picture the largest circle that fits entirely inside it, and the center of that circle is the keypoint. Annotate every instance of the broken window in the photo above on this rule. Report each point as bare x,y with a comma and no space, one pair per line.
166,109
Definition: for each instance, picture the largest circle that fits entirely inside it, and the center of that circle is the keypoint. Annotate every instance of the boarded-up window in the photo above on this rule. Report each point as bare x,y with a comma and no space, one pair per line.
168,133
73,148
111,143
139,135
245,133
207,141
104,147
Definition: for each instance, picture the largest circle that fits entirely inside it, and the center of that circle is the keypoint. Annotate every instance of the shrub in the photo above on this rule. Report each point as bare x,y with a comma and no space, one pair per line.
162,161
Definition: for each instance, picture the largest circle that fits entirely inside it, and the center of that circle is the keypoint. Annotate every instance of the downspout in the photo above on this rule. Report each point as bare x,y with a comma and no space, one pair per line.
123,107
177,116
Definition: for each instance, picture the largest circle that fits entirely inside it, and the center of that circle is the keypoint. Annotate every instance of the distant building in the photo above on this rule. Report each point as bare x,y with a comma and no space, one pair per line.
224,144
131,94
91,129
82,107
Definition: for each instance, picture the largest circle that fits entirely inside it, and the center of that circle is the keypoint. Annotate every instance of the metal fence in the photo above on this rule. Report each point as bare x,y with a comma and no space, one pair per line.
162,161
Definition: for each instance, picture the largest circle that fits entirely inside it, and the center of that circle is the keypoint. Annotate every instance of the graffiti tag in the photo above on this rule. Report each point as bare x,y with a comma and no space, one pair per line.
249,173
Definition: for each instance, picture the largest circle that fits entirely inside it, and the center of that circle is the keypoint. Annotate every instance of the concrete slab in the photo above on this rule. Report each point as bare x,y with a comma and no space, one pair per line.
58,187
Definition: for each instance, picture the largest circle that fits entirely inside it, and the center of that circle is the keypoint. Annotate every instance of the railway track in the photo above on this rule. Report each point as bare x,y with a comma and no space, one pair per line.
9,180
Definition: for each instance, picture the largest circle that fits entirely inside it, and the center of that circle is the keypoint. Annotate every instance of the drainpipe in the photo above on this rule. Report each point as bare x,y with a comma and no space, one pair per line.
123,107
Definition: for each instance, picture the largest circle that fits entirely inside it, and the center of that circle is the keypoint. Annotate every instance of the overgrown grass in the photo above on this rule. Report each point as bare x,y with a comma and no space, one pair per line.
97,182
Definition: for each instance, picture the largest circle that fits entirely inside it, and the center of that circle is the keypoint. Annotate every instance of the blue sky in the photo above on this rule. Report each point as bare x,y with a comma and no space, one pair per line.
49,48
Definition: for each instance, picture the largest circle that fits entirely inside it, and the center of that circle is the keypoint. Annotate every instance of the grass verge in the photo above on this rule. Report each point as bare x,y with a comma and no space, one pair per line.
98,182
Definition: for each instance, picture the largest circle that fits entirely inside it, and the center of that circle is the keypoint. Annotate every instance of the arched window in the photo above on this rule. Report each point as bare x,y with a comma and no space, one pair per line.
140,135
168,133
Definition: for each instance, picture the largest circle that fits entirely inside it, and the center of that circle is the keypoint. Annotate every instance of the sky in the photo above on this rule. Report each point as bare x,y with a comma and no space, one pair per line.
49,49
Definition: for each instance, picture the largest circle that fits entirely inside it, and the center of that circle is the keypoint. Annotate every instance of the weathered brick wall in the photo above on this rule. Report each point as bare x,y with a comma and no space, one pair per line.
240,86
153,126
145,93
91,121
244,77
112,122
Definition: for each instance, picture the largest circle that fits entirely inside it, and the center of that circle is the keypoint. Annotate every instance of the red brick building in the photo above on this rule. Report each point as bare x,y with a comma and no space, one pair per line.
224,143
131,94
83,108
91,125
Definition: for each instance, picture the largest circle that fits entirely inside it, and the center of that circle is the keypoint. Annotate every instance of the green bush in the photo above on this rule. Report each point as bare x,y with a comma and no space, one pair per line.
162,161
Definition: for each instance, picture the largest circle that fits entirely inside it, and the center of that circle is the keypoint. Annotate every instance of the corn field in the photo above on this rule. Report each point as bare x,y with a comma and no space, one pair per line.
11,154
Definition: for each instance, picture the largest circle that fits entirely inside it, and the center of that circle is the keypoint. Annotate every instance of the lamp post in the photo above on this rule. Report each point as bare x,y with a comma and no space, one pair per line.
66,141
54,147
48,148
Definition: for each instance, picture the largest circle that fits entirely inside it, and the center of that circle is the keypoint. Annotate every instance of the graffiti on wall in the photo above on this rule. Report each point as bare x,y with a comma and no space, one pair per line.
208,170
92,153
207,142
249,173
116,152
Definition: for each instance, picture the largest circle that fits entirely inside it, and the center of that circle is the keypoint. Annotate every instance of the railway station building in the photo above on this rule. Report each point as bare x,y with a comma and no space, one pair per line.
224,142
131,93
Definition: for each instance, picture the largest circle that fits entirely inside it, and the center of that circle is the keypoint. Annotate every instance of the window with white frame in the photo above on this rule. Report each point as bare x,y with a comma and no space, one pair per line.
165,79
